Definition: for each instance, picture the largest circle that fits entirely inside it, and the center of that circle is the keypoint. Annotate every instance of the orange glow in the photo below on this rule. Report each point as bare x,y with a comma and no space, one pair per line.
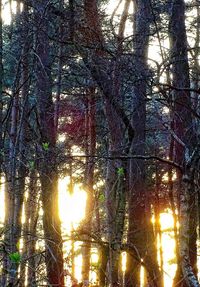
168,247
72,211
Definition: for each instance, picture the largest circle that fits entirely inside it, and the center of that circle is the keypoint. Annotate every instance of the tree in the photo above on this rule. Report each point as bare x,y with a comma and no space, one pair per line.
47,148
140,232
185,138
89,180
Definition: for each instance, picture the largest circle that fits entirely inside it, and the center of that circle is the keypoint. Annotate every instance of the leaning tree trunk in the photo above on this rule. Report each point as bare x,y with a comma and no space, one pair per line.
96,63
47,148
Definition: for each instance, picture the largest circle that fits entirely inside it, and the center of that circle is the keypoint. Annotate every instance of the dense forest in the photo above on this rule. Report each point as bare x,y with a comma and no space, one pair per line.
99,143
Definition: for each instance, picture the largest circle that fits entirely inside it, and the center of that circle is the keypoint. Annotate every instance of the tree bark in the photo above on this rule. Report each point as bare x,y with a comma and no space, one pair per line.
187,189
185,137
31,207
48,166
140,231
115,192
1,89
115,182
89,181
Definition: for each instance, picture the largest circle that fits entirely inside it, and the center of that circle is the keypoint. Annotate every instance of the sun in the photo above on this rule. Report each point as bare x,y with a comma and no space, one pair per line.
71,206
166,220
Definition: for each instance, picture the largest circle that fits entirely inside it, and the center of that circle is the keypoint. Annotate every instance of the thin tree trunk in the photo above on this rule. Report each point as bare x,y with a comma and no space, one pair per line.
11,188
1,103
89,182
158,231
15,179
31,207
1,89
59,76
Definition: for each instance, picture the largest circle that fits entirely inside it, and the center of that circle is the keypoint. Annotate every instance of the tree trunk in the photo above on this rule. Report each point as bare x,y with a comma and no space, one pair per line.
187,189
184,137
103,260
89,182
59,76
115,178
1,89
115,192
140,231
48,166
11,173
31,207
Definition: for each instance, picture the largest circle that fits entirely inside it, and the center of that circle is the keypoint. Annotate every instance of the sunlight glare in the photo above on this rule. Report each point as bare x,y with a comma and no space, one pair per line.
112,4
142,274
166,221
72,206
6,15
78,264
94,263
124,255
71,211
110,8
168,247
165,178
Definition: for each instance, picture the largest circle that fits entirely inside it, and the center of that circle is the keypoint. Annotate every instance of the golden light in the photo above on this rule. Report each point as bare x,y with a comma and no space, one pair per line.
72,211
165,177
71,206
168,247
78,265
166,221
124,261
94,263
142,274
